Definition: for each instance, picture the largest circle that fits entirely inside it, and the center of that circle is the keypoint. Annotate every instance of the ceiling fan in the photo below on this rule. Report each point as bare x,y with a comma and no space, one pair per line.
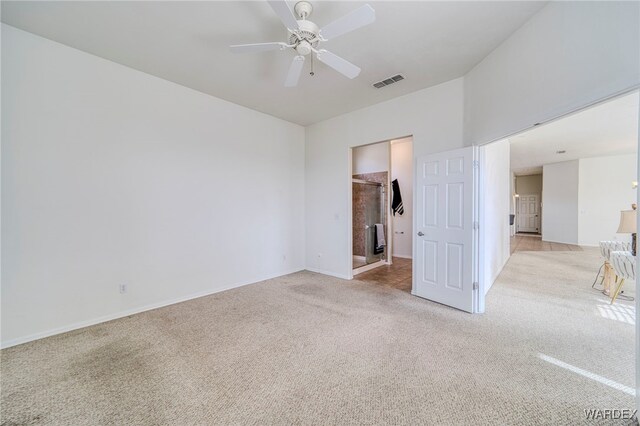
305,36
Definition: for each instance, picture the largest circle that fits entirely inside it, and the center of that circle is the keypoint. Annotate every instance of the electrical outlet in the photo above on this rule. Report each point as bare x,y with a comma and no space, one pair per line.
123,288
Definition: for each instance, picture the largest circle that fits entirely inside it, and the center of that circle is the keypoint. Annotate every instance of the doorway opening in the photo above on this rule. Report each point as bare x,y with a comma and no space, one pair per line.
570,181
382,212
576,258
528,198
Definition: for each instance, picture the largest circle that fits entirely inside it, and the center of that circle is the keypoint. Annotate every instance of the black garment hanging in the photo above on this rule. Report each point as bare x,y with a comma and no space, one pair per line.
396,204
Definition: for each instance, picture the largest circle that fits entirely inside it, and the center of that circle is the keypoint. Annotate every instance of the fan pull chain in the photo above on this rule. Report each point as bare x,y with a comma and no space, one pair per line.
312,73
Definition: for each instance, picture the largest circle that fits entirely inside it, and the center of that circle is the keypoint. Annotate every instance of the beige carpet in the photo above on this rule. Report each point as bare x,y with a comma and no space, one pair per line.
309,349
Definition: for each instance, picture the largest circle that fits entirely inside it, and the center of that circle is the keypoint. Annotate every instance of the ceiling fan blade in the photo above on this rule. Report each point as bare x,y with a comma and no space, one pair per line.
337,63
281,8
360,17
294,72
256,47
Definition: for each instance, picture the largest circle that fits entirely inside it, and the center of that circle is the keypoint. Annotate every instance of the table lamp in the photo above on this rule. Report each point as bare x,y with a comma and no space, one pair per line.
628,225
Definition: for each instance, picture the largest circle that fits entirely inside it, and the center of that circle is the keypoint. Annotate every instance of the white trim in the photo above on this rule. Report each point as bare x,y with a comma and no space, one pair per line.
402,256
126,313
388,255
561,242
414,221
349,216
478,304
480,234
331,274
369,267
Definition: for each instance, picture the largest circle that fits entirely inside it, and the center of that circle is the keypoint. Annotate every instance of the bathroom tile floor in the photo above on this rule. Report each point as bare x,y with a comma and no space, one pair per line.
396,275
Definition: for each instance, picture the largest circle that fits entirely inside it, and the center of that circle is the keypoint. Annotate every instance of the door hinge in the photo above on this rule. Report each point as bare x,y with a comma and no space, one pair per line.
476,164
476,225
476,285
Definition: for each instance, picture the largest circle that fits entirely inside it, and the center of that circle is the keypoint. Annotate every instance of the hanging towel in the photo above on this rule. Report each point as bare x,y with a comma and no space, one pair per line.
396,204
379,241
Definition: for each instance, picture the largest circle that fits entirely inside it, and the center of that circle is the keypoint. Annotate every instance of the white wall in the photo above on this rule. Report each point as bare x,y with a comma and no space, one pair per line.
433,116
111,176
560,202
604,189
402,169
371,158
495,205
569,55
531,184
582,199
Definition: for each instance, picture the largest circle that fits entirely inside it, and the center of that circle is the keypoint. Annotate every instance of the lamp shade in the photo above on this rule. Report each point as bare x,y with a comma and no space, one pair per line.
628,222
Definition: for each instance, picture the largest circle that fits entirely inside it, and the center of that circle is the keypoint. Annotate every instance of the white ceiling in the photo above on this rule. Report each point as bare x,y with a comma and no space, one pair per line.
187,43
610,128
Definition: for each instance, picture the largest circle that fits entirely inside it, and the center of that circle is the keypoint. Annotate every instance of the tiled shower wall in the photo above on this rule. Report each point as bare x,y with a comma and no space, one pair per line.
358,202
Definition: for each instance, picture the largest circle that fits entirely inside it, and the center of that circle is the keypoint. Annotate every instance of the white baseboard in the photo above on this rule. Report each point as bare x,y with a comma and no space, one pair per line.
558,242
402,256
331,274
133,311
369,267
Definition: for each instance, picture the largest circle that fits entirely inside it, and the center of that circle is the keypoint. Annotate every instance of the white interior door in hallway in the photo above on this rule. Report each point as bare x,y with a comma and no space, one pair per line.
529,213
446,238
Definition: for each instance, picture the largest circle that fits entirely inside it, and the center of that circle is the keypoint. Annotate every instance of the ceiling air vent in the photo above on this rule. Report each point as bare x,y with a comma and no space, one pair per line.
388,81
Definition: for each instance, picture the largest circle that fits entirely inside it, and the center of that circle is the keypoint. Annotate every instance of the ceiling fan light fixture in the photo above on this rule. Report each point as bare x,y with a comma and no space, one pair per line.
303,48
305,36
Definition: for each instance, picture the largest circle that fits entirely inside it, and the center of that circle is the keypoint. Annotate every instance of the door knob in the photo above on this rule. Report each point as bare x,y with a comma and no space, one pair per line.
420,234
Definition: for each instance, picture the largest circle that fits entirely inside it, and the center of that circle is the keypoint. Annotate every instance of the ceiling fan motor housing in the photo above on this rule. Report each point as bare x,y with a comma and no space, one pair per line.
305,37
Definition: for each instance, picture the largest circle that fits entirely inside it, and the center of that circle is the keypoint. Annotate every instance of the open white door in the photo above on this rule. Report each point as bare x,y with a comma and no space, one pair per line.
446,235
